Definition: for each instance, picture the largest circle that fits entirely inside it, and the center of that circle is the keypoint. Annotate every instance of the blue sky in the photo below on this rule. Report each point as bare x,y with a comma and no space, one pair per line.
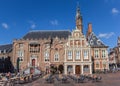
17,17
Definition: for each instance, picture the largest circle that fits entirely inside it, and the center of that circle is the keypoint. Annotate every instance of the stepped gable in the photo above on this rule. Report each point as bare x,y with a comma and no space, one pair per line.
46,34
94,41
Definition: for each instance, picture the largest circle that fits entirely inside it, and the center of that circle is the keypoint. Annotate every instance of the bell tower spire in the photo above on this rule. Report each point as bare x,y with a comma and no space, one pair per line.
79,25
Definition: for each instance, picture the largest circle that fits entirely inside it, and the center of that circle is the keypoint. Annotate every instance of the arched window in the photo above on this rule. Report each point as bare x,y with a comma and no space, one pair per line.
86,68
46,56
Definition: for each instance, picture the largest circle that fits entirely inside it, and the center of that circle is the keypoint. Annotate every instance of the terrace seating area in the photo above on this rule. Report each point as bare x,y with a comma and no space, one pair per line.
13,79
75,78
19,79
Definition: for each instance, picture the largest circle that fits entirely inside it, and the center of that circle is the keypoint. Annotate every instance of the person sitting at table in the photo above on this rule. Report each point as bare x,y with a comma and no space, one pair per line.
4,78
8,75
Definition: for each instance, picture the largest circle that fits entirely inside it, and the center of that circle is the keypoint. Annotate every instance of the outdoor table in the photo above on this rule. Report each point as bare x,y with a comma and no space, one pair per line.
3,82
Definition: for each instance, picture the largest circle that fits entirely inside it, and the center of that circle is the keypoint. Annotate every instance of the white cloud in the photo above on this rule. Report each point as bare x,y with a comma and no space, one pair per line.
5,25
106,35
115,11
32,24
54,22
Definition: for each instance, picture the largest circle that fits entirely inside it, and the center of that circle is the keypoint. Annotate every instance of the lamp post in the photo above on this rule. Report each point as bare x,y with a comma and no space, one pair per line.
18,64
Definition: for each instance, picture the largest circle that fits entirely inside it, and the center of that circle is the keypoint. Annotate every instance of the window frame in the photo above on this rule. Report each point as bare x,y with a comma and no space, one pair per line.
69,54
56,57
20,54
86,54
46,56
103,53
96,53
77,54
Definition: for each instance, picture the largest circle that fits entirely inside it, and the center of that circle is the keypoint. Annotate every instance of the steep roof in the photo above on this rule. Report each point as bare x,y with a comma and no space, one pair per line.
94,41
7,47
46,34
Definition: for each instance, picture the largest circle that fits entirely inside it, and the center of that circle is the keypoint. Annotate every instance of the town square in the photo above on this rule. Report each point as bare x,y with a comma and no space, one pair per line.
79,46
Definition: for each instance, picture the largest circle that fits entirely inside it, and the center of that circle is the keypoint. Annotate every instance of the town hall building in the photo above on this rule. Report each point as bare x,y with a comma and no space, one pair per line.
74,51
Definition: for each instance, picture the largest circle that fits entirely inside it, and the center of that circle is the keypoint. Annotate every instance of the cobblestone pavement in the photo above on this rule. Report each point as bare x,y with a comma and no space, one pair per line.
110,79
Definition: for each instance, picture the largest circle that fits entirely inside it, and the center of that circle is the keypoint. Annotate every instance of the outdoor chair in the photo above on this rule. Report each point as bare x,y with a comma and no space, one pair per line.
64,79
74,78
81,79
3,83
89,77
58,79
98,78
49,79
10,83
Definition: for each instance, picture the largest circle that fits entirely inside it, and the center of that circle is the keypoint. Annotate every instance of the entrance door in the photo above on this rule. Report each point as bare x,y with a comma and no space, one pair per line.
77,69
33,62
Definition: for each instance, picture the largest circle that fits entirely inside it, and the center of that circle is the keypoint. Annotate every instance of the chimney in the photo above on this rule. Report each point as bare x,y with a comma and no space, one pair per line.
89,31
89,28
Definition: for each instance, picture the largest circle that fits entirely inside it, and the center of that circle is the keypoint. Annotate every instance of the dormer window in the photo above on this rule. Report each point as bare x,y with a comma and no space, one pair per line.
94,37
91,42
4,51
98,42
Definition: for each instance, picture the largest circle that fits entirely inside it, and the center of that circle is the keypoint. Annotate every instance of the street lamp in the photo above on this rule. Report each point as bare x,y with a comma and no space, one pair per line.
18,64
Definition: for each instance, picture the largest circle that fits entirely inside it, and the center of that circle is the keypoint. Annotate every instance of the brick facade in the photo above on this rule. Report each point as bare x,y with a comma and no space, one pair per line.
73,50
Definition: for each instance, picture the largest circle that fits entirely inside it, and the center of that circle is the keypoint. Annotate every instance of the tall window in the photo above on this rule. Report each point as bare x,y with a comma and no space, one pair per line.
96,54
86,68
85,54
77,54
46,56
104,64
56,57
97,64
69,55
4,51
34,48
21,54
69,68
103,54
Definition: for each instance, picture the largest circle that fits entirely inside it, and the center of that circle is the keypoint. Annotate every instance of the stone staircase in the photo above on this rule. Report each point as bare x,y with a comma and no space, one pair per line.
36,70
